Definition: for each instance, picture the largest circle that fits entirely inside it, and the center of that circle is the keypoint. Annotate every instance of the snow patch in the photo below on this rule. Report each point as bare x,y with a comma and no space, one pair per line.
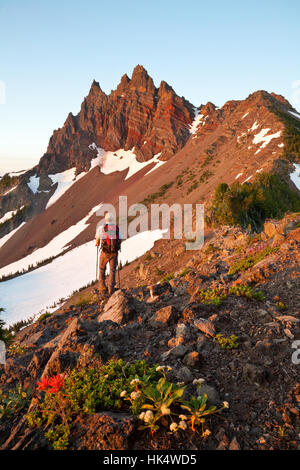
280,145
33,293
56,246
10,190
65,180
294,114
255,126
34,182
121,160
238,175
245,115
295,175
240,136
4,239
265,139
247,179
196,122
9,215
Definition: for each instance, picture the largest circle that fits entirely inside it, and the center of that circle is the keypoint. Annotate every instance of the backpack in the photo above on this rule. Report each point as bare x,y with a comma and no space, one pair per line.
111,243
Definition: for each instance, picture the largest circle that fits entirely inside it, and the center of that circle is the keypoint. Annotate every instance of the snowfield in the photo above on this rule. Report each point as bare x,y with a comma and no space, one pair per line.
4,239
56,246
295,114
121,160
64,181
196,122
9,215
33,293
295,175
265,139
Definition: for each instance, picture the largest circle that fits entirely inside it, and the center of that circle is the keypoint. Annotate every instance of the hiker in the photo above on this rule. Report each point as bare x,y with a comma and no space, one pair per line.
109,234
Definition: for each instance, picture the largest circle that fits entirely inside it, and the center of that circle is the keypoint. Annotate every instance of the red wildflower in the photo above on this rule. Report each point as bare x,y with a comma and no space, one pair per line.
52,384
56,383
43,384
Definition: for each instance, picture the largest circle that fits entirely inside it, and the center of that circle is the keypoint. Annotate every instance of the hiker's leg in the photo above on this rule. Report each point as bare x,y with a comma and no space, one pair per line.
102,266
113,264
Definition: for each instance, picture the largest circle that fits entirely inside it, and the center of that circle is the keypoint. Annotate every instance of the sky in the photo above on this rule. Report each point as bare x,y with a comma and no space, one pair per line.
51,51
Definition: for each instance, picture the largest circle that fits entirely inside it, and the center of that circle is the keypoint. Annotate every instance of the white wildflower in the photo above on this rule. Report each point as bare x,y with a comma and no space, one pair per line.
206,433
173,427
148,416
123,393
134,395
198,381
225,404
165,410
142,416
182,425
135,381
182,417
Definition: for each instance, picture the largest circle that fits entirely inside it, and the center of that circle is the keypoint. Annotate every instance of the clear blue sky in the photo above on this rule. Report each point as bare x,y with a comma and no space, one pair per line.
51,50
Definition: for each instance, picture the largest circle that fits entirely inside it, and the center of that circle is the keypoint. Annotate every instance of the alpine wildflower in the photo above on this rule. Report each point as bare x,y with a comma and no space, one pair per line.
148,416
123,393
173,427
165,410
182,425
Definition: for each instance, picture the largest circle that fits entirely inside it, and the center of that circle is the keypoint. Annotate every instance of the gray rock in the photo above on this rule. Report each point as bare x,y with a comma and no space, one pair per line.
184,375
213,397
192,359
179,351
183,330
117,309
201,343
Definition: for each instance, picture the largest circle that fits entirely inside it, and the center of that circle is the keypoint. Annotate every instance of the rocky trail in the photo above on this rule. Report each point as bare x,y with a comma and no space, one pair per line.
237,284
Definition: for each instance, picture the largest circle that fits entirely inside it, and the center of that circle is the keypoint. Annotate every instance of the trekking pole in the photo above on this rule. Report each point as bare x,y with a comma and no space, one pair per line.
97,262
119,275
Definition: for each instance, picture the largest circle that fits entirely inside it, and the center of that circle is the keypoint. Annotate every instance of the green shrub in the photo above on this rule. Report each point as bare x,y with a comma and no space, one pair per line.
44,316
117,386
268,196
291,136
248,262
7,182
227,343
217,295
160,193
13,402
167,278
88,390
16,349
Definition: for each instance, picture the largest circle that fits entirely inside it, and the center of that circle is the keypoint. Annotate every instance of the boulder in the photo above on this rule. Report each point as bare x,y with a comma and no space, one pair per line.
205,326
164,316
213,397
117,309
184,374
192,359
